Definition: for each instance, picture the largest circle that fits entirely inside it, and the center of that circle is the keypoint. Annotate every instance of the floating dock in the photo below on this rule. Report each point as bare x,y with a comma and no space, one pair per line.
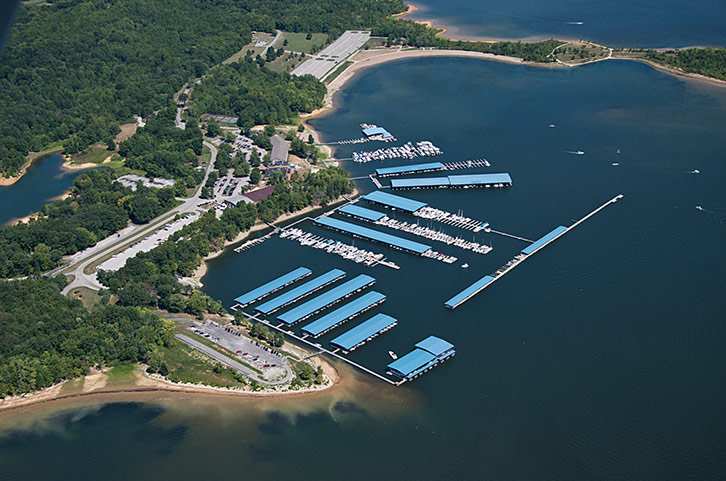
362,213
333,296
428,353
454,182
301,291
373,235
344,313
393,202
362,333
469,292
410,169
273,286
543,241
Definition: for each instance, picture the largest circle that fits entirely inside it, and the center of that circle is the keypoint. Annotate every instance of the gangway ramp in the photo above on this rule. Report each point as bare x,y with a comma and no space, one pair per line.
344,313
300,292
333,296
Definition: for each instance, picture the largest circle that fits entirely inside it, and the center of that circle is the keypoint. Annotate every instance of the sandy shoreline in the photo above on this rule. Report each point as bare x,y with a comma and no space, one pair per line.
96,385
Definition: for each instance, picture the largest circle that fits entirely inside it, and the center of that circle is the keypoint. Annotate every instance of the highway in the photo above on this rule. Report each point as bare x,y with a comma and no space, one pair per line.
82,265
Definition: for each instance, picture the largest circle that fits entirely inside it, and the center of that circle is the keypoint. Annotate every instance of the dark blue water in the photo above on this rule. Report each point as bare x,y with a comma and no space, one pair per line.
601,358
44,180
618,23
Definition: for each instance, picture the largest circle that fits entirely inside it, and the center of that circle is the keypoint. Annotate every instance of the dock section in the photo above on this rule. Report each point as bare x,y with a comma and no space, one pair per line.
373,235
344,313
543,241
427,354
410,169
301,291
362,213
469,292
362,333
273,286
333,296
393,202
454,182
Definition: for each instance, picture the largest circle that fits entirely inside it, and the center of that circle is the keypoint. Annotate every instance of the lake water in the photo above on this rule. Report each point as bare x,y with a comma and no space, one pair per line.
44,180
618,23
599,358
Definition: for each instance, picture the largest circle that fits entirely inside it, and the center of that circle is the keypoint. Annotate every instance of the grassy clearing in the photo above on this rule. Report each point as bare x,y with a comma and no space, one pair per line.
374,42
256,37
284,63
123,373
339,70
88,297
186,365
95,154
298,42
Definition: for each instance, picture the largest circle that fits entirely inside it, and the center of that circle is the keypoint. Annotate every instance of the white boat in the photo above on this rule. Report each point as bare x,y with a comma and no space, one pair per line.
465,266
393,355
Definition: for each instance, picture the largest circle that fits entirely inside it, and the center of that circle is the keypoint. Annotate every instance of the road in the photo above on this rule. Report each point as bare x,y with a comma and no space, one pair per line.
83,262
232,363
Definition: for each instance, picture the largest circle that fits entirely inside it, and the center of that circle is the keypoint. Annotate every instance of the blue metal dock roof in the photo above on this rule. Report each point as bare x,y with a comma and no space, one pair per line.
327,298
420,182
406,169
362,212
480,179
370,131
274,285
353,338
374,235
543,241
435,345
464,295
394,201
343,313
301,291
412,362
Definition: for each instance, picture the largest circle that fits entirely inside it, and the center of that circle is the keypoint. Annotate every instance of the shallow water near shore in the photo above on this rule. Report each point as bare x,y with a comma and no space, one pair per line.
599,358
44,180
618,23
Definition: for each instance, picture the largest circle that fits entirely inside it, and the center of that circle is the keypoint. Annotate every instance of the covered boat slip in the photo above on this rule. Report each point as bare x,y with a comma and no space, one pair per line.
544,240
427,354
410,169
454,181
469,292
273,286
301,291
393,201
303,311
361,212
373,235
364,332
344,313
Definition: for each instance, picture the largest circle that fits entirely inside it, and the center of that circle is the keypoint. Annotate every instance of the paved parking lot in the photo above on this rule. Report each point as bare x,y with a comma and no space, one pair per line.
333,54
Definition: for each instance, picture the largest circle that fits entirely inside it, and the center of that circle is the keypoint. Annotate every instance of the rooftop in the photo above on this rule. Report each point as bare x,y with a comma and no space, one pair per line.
343,313
300,291
411,362
327,298
374,235
544,240
469,291
435,345
274,285
394,201
403,169
364,331
362,212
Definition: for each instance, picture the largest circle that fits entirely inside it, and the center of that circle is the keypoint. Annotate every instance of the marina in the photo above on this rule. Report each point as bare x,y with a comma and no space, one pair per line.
333,296
456,220
393,202
454,182
373,235
304,290
435,235
430,167
409,150
346,251
272,286
362,333
344,313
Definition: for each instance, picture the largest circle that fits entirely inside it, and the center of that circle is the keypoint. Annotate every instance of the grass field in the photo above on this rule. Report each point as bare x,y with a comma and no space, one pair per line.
284,63
257,36
339,70
123,373
187,365
88,297
297,41
93,155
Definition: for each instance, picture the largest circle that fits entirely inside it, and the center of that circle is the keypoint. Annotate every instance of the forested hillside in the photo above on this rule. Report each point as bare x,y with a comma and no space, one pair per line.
256,95
705,61
46,338
73,69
